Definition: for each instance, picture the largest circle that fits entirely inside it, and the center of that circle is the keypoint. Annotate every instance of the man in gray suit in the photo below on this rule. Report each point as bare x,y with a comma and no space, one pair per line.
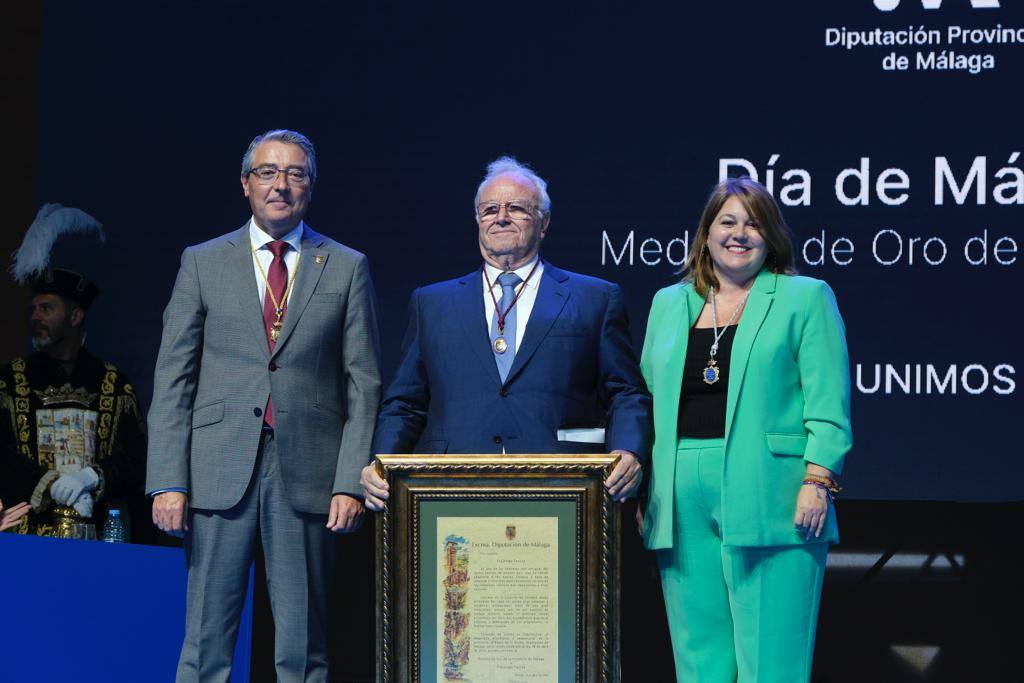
264,400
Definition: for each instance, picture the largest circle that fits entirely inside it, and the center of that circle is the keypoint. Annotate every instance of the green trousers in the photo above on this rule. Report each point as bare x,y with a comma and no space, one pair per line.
744,614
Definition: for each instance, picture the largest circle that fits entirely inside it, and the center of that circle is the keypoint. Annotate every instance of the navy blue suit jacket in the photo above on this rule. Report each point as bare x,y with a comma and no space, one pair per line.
576,367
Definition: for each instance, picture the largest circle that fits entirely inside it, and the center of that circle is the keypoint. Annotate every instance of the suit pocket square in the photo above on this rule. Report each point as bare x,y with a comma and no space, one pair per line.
582,435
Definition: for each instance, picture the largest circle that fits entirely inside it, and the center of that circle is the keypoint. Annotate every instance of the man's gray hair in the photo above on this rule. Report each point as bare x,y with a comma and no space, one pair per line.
290,137
508,165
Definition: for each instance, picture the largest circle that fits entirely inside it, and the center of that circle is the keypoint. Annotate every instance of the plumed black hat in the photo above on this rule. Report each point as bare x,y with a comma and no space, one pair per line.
32,262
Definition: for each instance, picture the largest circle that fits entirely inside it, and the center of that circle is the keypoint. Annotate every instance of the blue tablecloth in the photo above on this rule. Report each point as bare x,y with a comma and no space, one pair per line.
84,611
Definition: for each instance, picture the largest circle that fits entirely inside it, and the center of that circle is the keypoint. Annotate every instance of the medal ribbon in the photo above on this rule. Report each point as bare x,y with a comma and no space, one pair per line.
710,373
714,319
503,314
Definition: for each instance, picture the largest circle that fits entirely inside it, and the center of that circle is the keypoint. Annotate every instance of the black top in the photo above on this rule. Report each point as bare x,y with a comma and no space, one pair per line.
702,405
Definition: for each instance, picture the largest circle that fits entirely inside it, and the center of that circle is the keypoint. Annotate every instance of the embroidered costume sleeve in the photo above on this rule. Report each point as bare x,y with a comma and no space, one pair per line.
20,472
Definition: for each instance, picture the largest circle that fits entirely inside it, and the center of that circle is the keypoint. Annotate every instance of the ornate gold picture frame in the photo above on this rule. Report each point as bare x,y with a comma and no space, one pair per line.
497,568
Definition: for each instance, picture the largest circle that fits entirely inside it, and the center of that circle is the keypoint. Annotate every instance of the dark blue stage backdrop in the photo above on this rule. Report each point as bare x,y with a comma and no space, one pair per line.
890,132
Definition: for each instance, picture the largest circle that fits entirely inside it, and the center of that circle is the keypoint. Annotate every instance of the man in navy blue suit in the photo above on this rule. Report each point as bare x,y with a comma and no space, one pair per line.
519,356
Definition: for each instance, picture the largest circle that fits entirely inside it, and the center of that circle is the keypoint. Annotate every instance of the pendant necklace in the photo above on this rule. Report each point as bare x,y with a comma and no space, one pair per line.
500,343
711,373
275,329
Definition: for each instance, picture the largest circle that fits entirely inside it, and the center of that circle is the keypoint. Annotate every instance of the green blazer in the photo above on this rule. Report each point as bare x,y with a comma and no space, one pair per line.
788,403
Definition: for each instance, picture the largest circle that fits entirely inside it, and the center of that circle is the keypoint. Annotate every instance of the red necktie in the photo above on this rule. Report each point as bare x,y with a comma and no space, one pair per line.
277,278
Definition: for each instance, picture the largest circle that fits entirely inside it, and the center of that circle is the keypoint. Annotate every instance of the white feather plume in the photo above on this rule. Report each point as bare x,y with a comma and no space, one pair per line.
52,221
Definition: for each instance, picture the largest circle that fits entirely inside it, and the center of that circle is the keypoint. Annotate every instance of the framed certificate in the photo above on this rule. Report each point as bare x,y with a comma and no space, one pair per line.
497,568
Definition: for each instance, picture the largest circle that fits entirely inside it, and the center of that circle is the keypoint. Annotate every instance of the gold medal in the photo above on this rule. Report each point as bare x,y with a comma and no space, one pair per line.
500,345
275,329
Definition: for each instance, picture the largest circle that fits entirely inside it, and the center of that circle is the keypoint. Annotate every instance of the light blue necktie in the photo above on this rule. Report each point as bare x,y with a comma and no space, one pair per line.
508,282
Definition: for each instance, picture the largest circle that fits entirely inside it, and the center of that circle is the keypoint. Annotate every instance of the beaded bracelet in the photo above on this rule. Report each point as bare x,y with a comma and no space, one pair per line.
827,490
826,482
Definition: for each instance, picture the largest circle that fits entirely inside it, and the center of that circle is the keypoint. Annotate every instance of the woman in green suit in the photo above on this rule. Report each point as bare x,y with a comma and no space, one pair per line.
750,376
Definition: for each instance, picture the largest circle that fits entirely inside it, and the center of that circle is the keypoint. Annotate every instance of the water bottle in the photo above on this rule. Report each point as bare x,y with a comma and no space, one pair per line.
113,530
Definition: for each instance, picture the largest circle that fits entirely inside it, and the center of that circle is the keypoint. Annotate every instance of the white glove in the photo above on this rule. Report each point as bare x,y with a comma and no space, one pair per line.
67,489
83,505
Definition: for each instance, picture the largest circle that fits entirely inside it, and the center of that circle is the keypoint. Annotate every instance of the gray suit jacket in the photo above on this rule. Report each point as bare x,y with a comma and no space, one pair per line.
214,373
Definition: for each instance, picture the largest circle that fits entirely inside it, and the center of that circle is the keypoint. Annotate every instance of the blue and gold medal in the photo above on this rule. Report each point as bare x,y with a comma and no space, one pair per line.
711,372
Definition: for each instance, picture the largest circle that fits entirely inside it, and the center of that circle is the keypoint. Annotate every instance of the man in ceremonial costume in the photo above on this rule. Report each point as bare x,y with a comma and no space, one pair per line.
72,437
519,356
266,389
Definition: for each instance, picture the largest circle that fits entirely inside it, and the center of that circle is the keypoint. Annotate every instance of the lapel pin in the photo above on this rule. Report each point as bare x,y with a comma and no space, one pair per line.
319,259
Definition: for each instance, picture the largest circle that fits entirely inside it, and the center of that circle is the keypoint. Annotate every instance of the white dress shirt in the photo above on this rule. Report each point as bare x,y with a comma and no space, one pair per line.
524,304
262,256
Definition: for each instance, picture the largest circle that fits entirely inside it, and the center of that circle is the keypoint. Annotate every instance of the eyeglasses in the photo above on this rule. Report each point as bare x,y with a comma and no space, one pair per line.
268,175
518,210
